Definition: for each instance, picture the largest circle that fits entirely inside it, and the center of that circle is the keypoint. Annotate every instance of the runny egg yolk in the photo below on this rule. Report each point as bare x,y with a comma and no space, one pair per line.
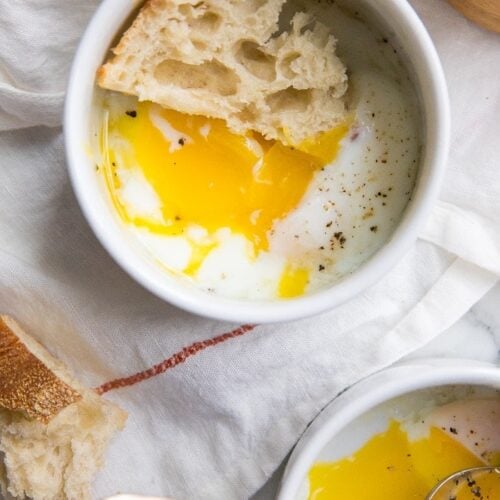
208,177
293,281
390,466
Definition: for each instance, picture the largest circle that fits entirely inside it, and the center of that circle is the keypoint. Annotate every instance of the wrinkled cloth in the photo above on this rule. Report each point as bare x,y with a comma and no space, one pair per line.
216,426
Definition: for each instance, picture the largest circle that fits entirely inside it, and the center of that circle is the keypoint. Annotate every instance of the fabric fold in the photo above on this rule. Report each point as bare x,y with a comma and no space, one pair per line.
21,109
470,236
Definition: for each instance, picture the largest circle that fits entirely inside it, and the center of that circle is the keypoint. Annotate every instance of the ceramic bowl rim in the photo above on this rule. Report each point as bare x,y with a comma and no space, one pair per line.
371,392
76,118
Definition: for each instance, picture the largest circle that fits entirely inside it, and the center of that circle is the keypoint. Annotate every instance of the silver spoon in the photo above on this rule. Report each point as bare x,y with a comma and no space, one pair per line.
447,488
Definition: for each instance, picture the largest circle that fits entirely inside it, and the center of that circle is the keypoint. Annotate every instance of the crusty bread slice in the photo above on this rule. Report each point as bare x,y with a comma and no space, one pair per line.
53,430
26,383
224,59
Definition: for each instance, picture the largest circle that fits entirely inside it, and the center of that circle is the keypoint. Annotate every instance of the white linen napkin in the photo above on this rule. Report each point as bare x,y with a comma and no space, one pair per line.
218,424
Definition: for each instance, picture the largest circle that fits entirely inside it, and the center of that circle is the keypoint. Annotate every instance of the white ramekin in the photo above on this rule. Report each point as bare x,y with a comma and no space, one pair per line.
371,392
404,26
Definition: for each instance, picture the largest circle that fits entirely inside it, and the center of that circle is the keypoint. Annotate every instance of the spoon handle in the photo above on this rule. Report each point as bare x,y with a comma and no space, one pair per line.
448,487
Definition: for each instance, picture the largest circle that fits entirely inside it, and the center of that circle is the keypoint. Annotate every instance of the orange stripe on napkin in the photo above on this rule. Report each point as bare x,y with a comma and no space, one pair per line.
174,360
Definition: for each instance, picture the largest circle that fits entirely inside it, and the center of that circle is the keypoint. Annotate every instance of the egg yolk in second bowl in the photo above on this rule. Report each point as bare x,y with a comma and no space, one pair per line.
391,466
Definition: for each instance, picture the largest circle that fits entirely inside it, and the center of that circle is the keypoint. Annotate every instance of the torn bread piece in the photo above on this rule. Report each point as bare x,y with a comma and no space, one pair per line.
53,430
225,59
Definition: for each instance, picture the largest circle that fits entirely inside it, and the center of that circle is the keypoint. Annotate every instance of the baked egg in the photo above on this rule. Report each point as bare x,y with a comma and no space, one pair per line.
410,457
249,218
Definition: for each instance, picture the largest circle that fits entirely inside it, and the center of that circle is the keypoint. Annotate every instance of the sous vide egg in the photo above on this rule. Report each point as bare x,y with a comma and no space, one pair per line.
205,200
410,457
249,218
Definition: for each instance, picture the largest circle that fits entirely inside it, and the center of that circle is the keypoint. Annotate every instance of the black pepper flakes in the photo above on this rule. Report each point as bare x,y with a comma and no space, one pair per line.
132,113
470,481
476,491
182,141
373,229
321,267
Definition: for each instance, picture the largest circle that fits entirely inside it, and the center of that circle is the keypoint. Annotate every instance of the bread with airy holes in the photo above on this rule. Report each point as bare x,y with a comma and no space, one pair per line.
225,59
53,430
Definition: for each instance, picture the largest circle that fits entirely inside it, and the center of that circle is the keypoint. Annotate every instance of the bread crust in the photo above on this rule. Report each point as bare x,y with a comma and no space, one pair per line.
26,383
